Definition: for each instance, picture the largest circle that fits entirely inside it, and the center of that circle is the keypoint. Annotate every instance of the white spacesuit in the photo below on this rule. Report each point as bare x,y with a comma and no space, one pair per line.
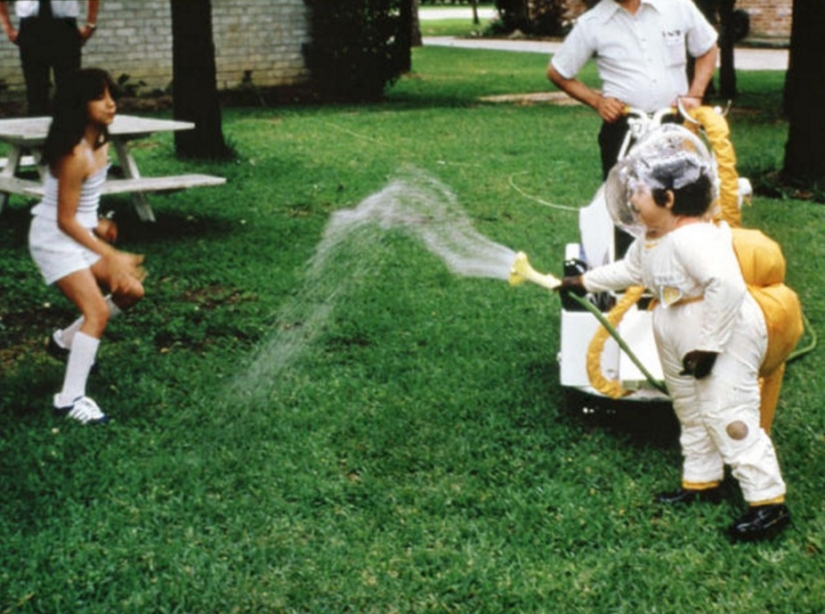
711,333
703,304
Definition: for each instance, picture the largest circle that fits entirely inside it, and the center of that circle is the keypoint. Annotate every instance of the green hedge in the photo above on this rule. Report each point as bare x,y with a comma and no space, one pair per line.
358,47
539,18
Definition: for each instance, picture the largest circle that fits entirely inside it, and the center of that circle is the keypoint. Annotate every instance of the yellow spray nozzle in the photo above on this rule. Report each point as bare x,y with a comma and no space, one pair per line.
521,271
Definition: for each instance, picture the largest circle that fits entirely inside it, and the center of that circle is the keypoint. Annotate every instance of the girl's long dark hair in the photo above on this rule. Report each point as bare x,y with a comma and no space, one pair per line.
71,112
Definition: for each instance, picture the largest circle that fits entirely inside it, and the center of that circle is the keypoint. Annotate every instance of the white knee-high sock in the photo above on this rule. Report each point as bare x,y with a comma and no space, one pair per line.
64,337
81,359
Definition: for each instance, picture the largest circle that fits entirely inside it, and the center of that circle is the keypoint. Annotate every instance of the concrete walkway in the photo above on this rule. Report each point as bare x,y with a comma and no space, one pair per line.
431,14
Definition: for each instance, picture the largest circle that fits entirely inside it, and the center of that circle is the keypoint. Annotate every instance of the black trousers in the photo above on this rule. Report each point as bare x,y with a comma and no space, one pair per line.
46,46
611,137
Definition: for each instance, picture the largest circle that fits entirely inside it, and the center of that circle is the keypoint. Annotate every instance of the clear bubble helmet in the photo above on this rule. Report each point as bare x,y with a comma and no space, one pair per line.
668,158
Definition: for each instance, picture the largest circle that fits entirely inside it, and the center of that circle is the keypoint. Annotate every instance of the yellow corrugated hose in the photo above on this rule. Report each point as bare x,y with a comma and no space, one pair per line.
717,131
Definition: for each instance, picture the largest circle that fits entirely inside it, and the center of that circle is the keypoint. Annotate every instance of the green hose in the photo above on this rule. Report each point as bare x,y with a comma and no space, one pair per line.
800,352
659,385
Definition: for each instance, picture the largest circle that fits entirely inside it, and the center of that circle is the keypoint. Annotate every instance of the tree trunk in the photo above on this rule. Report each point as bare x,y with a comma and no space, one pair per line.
415,29
474,4
194,88
805,96
727,39
708,9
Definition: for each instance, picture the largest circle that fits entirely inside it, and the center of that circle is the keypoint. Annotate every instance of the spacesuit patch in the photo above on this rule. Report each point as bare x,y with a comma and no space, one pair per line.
669,295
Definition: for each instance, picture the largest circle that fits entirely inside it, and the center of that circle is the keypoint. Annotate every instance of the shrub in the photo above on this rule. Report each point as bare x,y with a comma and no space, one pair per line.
534,17
357,47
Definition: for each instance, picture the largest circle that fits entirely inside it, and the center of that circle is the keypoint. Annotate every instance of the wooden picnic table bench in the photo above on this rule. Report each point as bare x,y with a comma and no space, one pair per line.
28,135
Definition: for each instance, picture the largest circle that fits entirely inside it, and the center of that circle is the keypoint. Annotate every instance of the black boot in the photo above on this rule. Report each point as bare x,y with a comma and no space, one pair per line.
761,521
689,495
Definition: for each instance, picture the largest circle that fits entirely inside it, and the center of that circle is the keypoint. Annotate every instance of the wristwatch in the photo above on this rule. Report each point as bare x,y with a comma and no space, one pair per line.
91,26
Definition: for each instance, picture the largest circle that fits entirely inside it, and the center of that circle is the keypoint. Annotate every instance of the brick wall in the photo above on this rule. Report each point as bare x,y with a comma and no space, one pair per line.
769,18
134,37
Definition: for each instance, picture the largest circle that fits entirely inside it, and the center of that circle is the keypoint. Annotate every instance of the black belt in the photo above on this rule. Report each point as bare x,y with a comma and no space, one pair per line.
37,19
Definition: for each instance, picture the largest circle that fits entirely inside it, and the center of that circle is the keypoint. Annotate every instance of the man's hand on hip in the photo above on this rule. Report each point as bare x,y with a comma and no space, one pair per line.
610,109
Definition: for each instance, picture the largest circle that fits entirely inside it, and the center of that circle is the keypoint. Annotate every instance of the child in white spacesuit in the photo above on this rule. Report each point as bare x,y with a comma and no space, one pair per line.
710,332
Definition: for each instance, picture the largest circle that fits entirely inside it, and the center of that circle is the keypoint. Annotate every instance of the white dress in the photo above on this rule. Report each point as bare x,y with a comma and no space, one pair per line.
55,253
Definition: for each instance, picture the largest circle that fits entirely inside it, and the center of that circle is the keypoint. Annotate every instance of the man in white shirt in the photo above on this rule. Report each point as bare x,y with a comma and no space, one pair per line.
641,49
49,40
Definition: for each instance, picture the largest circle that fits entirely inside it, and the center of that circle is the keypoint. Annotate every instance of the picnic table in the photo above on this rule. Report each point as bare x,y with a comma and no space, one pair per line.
27,135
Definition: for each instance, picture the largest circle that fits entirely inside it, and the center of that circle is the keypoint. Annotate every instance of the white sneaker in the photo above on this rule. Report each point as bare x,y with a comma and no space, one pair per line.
83,409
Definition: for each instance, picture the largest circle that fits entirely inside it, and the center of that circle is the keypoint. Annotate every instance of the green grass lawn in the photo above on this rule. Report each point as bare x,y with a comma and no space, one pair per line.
411,452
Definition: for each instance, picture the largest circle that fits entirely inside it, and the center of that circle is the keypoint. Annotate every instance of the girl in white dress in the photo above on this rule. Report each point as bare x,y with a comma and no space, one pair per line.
70,244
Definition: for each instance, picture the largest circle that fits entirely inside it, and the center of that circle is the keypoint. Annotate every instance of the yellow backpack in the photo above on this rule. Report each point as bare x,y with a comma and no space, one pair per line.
763,267
760,257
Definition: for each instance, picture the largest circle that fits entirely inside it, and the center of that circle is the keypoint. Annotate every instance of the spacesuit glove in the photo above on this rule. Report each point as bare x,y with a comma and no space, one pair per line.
698,363
572,284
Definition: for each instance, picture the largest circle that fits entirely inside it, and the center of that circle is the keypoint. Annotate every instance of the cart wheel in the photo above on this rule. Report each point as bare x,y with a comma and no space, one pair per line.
646,421
579,403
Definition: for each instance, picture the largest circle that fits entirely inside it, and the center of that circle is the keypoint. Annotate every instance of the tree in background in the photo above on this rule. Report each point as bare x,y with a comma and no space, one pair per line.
727,39
415,25
194,85
534,17
805,97
514,15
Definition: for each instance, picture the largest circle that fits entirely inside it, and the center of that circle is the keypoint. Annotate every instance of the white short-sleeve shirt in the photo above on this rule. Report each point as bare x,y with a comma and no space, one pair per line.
641,58
60,8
